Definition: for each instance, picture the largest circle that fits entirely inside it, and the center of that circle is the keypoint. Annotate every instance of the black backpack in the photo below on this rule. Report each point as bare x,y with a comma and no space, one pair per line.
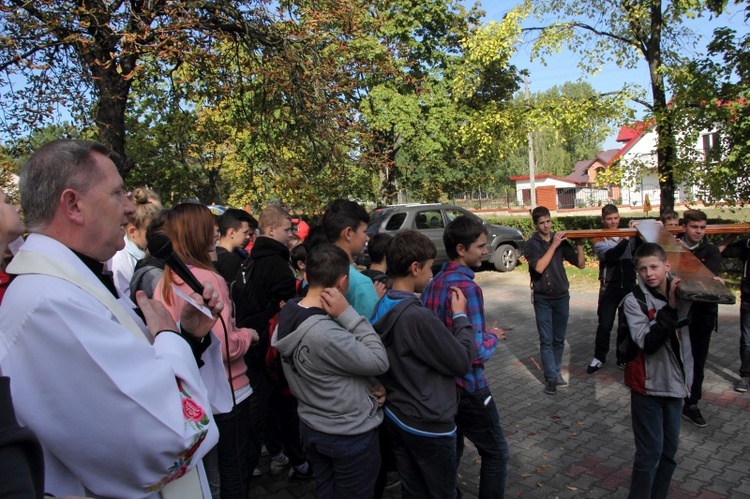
242,292
627,349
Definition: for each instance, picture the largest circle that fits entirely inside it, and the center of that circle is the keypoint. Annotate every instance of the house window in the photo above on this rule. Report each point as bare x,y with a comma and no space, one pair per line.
711,147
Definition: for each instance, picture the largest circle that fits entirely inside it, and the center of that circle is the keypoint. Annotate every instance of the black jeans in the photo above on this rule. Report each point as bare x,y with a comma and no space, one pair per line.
479,420
610,297
238,450
426,465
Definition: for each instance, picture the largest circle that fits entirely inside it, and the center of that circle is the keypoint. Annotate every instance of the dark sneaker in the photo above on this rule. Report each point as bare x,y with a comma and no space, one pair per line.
595,365
561,382
621,365
296,475
693,414
550,386
742,385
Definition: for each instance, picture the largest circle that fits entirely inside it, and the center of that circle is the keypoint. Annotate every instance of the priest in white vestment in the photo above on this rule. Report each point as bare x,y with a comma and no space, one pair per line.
121,408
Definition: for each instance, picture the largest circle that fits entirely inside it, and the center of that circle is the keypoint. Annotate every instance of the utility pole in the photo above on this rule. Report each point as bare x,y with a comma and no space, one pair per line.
532,162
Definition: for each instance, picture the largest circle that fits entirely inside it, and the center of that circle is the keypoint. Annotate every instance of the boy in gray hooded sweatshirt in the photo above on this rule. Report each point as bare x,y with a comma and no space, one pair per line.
330,356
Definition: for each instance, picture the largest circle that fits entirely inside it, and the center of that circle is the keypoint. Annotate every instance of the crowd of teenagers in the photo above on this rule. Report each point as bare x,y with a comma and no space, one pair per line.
134,378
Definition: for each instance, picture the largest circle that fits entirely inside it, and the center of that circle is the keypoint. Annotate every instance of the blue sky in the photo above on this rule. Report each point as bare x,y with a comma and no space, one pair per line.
563,67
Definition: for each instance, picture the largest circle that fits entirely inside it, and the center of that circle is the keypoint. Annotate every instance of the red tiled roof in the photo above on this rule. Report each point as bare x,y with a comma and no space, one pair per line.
634,133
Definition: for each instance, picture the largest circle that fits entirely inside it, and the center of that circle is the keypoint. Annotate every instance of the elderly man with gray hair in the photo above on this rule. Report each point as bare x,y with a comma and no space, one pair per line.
120,403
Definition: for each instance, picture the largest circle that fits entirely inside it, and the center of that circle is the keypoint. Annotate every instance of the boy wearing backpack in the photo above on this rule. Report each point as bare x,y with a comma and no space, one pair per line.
424,358
659,376
331,356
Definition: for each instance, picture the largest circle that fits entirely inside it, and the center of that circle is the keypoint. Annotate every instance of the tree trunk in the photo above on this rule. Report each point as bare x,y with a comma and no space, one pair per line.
112,92
665,148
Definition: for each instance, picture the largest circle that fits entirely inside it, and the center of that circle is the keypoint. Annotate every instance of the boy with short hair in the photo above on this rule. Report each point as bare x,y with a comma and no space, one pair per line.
670,219
345,225
330,355
545,251
705,315
376,249
236,229
424,359
660,374
478,419
616,279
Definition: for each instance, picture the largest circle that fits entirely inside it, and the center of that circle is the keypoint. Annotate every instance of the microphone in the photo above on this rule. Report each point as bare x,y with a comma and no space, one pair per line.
160,246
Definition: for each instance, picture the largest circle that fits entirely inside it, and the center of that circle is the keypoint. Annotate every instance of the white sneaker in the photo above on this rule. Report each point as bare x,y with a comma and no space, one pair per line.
279,466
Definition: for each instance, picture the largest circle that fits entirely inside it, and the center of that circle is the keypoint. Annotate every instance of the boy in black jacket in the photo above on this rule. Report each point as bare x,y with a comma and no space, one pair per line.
705,315
424,358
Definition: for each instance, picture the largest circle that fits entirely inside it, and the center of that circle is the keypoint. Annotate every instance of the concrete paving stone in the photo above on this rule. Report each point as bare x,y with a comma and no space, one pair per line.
550,456
719,486
741,490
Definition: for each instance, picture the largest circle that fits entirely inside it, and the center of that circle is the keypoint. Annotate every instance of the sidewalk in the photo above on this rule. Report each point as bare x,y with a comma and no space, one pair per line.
578,443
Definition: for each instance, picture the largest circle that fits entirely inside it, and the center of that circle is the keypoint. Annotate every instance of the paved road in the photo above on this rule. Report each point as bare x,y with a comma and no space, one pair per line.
578,443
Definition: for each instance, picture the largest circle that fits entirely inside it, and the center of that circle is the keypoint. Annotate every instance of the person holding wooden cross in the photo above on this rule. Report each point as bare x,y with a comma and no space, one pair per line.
705,315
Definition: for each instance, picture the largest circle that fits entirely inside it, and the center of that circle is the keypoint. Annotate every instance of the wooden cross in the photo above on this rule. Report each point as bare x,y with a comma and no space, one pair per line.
697,282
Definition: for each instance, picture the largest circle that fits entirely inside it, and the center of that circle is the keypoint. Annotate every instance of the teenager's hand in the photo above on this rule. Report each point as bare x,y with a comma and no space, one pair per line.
458,300
719,279
380,288
254,337
558,239
674,301
333,302
195,321
378,391
497,331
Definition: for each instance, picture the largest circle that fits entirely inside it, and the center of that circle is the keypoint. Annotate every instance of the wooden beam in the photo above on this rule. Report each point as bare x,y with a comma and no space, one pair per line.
698,283
710,229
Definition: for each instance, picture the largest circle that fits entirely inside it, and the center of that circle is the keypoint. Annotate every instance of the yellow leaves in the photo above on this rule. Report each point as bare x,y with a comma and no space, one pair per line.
489,44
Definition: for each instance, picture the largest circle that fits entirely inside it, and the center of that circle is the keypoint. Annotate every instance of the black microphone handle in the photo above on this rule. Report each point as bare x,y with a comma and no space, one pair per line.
179,268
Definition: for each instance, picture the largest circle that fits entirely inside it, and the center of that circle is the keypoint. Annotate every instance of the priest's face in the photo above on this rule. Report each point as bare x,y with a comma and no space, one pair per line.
105,209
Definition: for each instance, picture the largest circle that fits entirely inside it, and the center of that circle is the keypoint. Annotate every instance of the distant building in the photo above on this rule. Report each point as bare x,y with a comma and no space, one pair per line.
576,190
638,150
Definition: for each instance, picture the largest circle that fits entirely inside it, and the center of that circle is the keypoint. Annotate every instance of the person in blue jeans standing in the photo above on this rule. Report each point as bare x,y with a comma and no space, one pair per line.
545,251
478,419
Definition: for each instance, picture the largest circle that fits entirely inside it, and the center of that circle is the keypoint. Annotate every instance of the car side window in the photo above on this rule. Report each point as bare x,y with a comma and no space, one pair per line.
453,214
396,221
428,220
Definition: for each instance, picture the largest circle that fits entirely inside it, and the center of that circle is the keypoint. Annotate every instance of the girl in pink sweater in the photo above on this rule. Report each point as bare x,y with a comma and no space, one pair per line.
190,227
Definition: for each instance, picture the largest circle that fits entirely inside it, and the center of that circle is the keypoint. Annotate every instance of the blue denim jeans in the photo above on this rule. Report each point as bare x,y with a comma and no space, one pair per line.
745,339
551,323
426,465
344,466
479,420
656,428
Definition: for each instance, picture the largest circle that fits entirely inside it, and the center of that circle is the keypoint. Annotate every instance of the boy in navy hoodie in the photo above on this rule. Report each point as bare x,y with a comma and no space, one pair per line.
424,358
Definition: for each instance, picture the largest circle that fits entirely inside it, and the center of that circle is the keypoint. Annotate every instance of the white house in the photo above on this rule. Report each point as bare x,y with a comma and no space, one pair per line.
639,150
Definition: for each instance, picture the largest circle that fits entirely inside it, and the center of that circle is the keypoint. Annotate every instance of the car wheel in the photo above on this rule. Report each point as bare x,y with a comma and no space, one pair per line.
505,258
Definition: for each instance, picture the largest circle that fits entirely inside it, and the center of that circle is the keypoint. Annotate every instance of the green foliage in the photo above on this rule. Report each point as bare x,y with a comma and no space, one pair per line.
714,97
628,33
